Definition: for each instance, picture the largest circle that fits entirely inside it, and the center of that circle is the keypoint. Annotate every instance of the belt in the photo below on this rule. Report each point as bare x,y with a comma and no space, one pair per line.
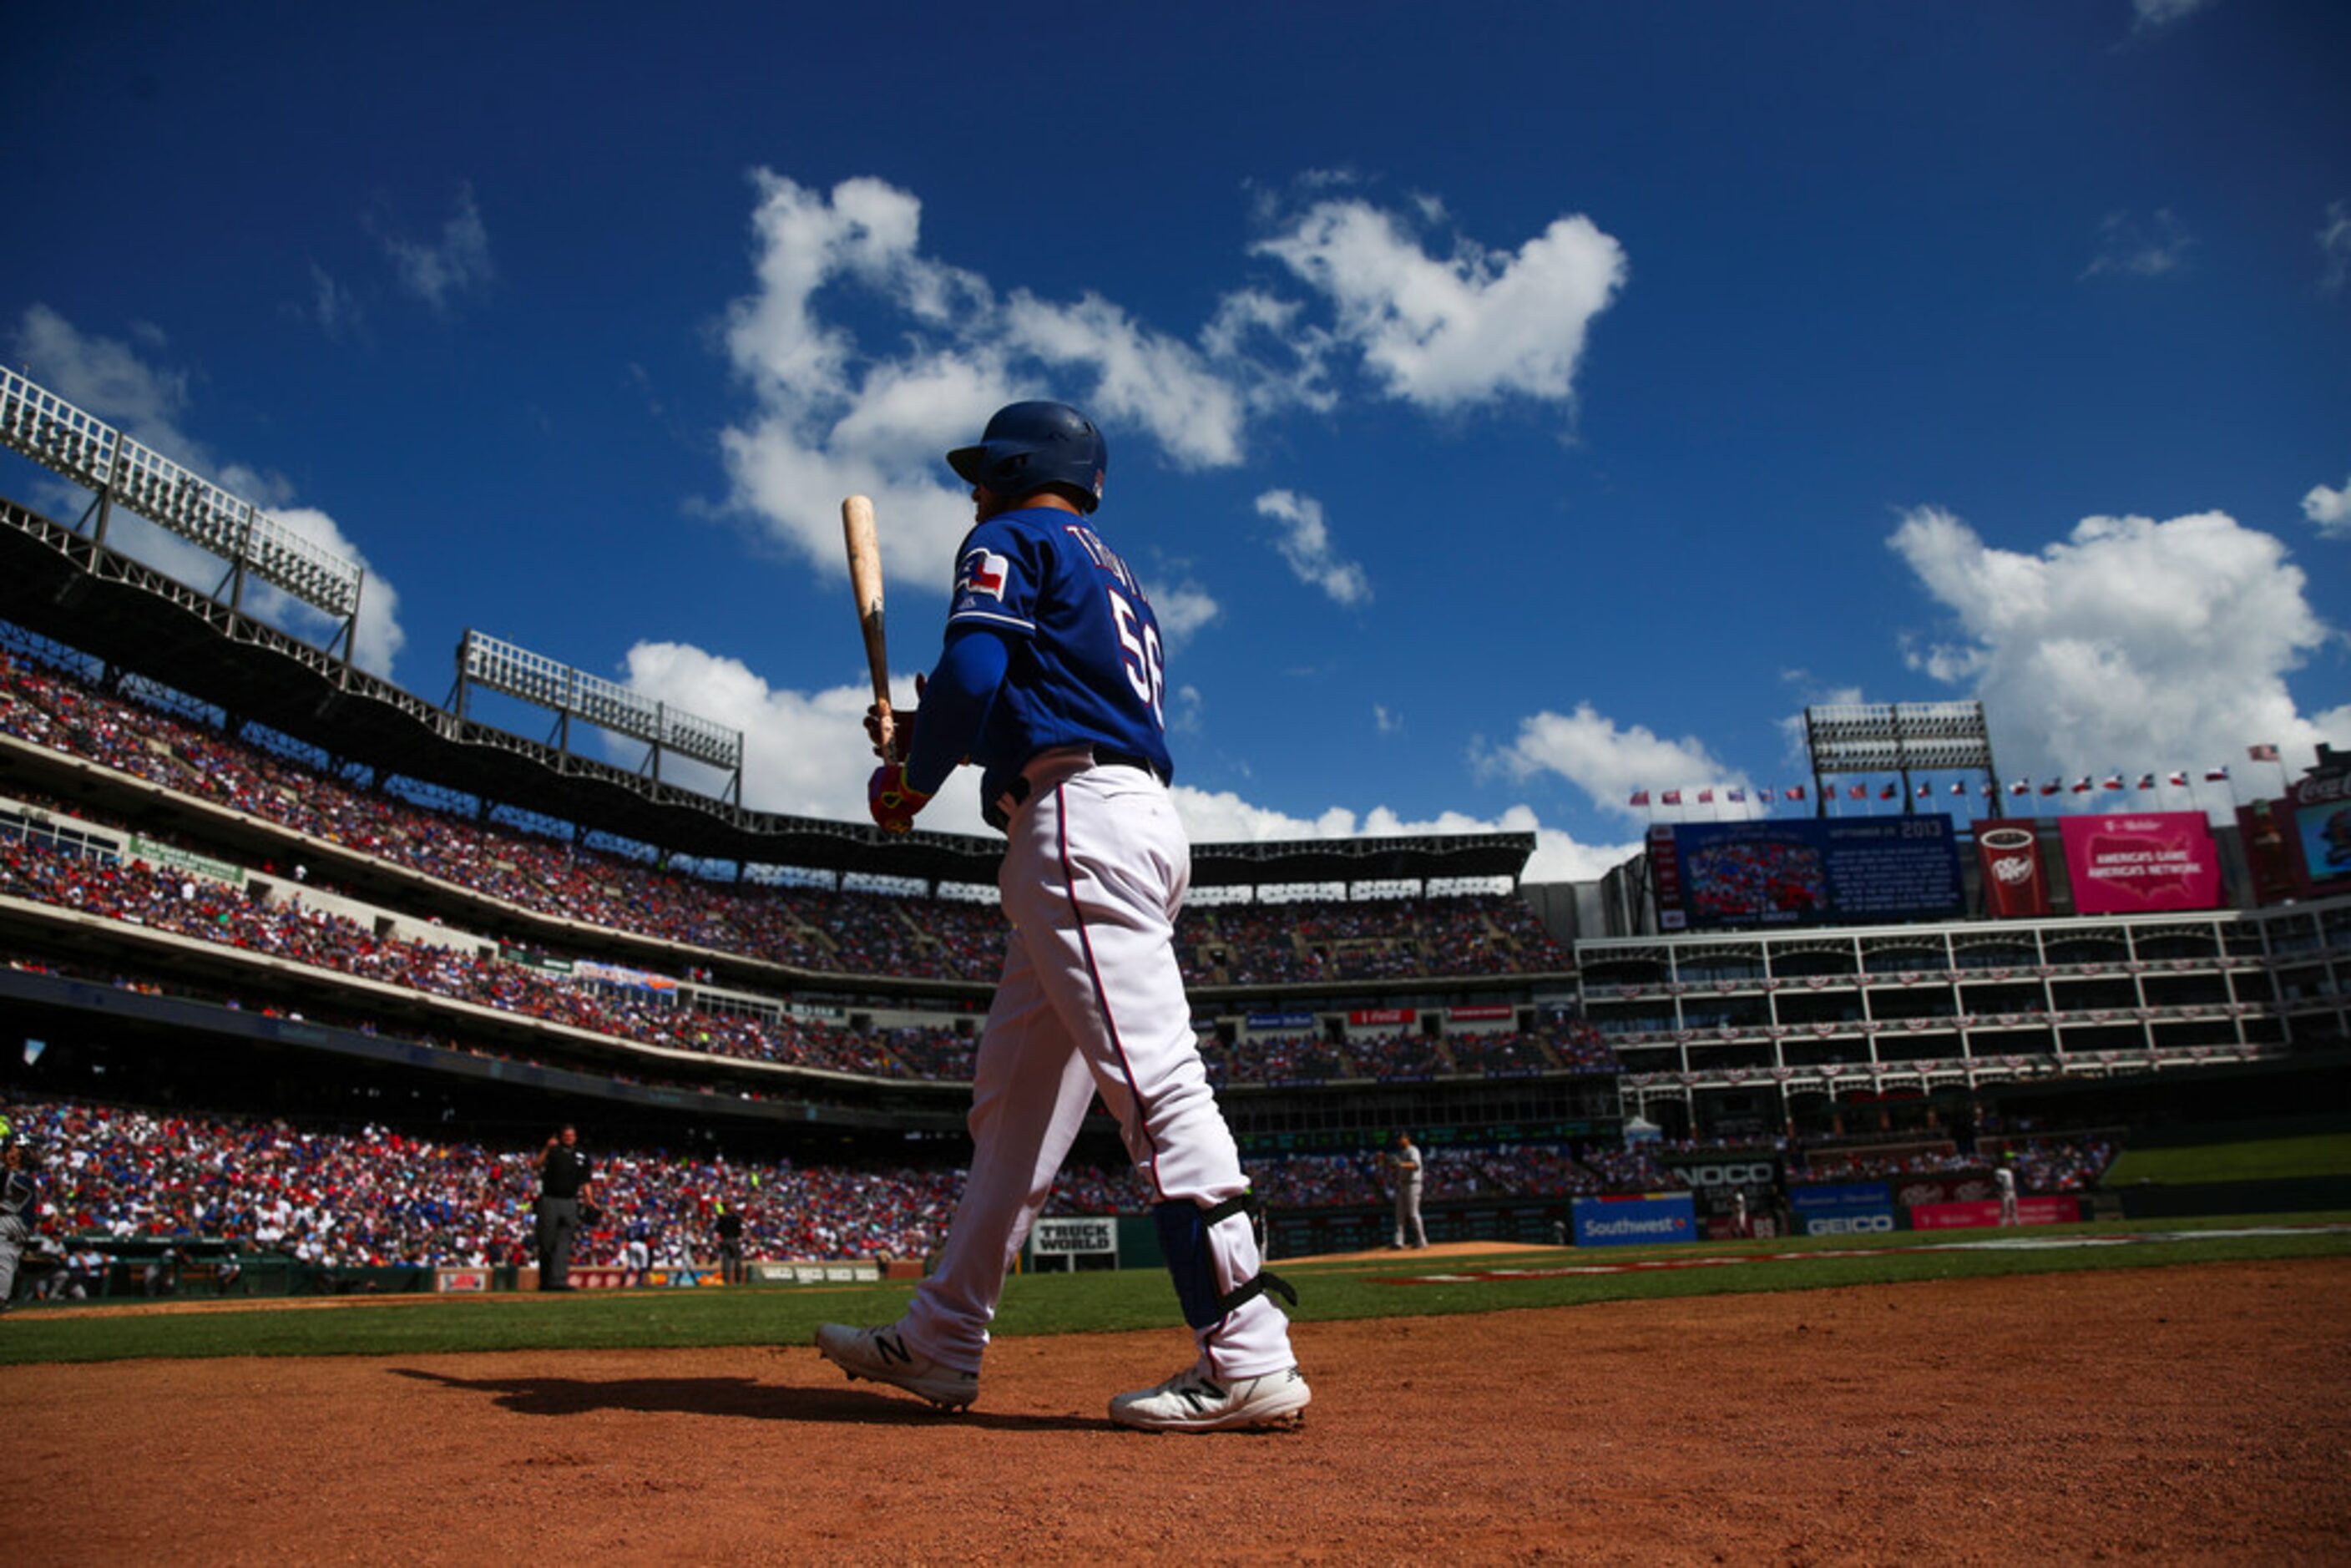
997,813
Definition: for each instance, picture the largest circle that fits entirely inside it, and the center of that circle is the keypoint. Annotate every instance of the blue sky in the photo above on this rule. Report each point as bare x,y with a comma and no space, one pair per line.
1509,407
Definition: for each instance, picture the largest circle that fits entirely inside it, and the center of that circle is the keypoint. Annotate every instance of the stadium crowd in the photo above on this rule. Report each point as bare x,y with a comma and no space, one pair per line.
814,929
189,905
376,1196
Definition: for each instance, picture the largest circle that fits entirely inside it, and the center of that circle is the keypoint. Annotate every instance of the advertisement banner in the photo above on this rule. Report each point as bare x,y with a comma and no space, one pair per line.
1842,1208
767,1272
1911,1192
1382,1016
1635,1221
621,975
1483,1011
2262,828
2015,881
1974,1216
1665,877
170,857
1801,872
1065,1237
1723,1169
461,1281
2134,862
1279,1020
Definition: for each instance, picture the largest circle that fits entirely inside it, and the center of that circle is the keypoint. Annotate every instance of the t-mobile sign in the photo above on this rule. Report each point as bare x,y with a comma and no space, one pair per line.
2132,862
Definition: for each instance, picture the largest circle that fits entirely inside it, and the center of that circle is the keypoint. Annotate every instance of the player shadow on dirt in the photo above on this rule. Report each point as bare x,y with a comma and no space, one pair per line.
745,1396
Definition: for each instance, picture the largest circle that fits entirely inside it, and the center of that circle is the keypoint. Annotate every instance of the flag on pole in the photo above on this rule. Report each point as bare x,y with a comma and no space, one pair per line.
1889,792
1739,796
1640,797
1795,791
2114,782
2262,753
2146,780
1672,798
2051,787
1857,792
2215,775
2021,787
1959,786
2180,777
1705,797
2081,784
1924,790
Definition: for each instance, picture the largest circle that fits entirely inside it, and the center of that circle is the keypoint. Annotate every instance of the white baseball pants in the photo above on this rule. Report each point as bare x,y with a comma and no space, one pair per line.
1091,1001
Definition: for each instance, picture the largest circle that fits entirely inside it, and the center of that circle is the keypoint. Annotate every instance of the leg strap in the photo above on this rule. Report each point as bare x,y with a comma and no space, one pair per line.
1184,1228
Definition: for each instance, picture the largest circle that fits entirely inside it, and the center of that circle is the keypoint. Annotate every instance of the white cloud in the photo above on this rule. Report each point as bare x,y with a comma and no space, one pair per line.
834,420
2147,15
1609,764
1386,720
2330,509
455,265
1445,332
1182,609
1305,544
2335,248
836,413
332,307
2129,248
107,378
2131,644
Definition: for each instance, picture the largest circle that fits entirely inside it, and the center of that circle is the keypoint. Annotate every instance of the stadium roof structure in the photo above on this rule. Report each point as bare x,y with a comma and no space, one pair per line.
62,584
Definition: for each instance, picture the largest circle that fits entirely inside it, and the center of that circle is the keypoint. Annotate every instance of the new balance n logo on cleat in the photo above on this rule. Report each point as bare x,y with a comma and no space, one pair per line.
1193,1402
882,1355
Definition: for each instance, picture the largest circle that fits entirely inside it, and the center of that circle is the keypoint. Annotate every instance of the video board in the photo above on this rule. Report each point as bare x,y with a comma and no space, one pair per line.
1729,875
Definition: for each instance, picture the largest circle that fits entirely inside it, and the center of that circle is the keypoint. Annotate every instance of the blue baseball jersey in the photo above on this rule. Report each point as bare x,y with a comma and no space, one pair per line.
1086,660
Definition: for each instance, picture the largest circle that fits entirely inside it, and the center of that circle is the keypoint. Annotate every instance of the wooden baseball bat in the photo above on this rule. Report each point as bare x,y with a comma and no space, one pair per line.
865,586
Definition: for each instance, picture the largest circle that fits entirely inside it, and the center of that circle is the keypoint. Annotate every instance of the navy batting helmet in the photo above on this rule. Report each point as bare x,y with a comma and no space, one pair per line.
1032,446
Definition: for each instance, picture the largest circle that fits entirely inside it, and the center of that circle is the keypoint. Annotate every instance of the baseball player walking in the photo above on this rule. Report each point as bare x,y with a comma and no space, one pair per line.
1053,682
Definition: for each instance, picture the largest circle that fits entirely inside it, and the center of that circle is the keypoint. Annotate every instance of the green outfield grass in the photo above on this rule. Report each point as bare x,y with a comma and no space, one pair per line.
1135,1298
2266,1159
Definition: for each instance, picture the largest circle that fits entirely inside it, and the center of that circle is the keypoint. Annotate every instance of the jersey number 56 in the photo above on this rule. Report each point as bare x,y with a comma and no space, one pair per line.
1138,640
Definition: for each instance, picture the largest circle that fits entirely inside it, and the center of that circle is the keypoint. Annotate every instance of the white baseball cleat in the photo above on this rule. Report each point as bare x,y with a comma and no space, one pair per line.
1191,1401
884,1356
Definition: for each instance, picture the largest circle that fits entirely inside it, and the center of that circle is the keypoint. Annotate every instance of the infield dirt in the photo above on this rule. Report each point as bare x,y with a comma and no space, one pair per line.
2182,1414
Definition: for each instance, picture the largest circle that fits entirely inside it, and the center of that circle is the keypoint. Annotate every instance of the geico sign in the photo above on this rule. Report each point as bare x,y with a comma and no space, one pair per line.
1758,1174
1849,1225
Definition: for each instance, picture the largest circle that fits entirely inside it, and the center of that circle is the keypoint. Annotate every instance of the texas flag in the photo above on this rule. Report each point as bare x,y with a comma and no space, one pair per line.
1795,792
1889,792
1857,792
1958,787
1924,791
2146,780
2081,784
2051,787
2215,775
2021,787
2180,778
2114,782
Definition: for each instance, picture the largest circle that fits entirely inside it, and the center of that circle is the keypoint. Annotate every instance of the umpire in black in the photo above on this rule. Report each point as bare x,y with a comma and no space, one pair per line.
562,1188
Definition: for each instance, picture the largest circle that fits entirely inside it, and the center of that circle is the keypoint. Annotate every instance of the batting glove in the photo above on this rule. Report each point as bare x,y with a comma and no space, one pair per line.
892,800
901,727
